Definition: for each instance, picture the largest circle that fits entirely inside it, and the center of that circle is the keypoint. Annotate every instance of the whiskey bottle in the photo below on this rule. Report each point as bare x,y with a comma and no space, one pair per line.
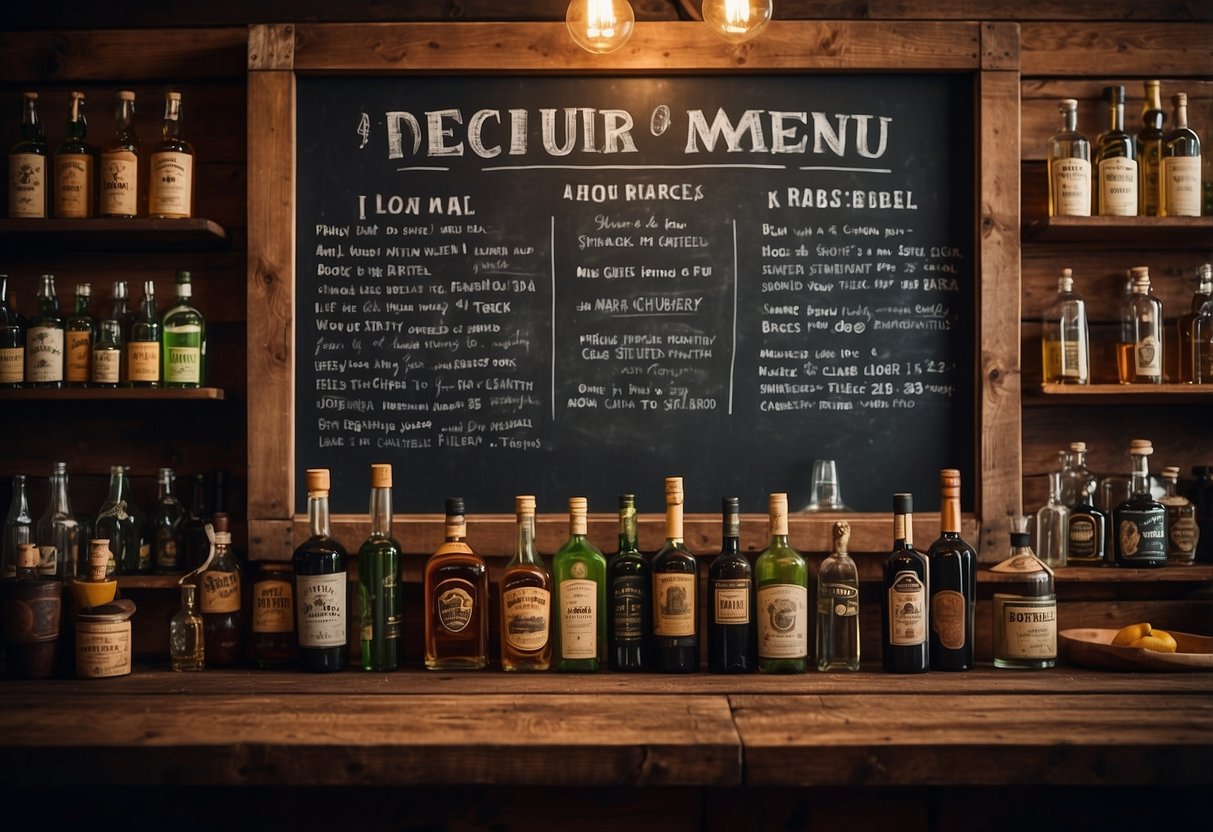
456,599
629,596
120,312
143,346
732,634
27,165
118,522
1182,531
75,165
1116,162
1069,166
12,341
58,532
320,585
187,645
18,527
1179,179
30,607
1140,522
81,331
838,606
904,598
1065,336
1149,148
379,579
273,645
1187,350
1052,525
171,190
526,598
220,602
44,339
953,581
183,340
675,642
119,175
1139,353
1025,609
107,355
1086,525
579,577
782,578
164,526
195,545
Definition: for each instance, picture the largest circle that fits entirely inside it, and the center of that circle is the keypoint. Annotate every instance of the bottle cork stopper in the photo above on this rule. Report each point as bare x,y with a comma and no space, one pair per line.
220,522
454,507
1141,446
318,481
1180,99
777,513
1171,471
949,479
524,504
32,96
1068,104
381,475
778,502
842,536
903,503
173,96
579,505
98,559
126,95
28,556
673,490
1078,446
1139,272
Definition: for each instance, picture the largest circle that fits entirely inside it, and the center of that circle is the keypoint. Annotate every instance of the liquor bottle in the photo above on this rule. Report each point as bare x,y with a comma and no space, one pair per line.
629,595
143,345
81,330
782,579
1052,525
30,606
119,175
1186,344
320,585
1069,166
1025,609
456,599
1140,522
120,312
1139,353
12,341
58,533
171,190
1086,526
732,634
953,580
164,526
1182,531
526,599
186,642
195,545
1149,148
1116,162
18,527
379,579
219,588
675,643
579,577
838,606
183,340
1076,477
107,355
904,599
273,645
1179,177
75,165
27,167
1064,336
44,337
119,526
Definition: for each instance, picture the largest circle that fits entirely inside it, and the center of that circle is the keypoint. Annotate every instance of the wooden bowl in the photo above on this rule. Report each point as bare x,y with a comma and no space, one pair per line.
1092,647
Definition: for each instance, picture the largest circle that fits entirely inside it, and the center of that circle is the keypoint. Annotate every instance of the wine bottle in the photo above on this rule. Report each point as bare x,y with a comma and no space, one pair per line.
1186,343
1069,166
171,187
904,616
782,578
164,526
75,165
953,583
379,579
732,639
1116,162
456,599
526,598
1065,336
1139,353
119,526
119,188
27,167
1179,177
579,575
838,606
12,341
675,590
143,346
183,340
629,596
1149,148
80,333
44,339
320,585
58,531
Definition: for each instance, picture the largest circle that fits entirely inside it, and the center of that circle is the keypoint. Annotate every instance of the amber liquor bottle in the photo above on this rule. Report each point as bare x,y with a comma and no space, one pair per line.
119,174
219,588
526,599
27,165
953,583
171,187
456,599
321,586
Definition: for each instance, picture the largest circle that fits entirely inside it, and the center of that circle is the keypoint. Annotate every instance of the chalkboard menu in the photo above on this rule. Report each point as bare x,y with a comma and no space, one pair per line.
582,285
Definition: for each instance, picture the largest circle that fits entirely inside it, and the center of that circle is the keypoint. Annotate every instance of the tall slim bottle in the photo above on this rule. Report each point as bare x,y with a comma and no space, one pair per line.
119,175
1180,190
579,575
782,577
1149,148
1186,343
1064,336
195,546
1052,525
320,585
838,606
905,581
75,165
143,346
18,527
1140,522
45,335
732,634
58,534
1069,166
12,341
456,599
953,565
675,641
1139,353
27,165
80,333
171,189
119,526
526,598
220,600
183,340
379,579
629,596
164,526
1116,161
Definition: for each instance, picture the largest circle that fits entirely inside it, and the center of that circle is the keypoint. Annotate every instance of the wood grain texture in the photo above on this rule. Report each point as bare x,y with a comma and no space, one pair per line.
1141,49
1000,46
107,55
271,47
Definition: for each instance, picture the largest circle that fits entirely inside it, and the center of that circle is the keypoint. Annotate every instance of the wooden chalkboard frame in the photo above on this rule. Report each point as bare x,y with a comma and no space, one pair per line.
276,53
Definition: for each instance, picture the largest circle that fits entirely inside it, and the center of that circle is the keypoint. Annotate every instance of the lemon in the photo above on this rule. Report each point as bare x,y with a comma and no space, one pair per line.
1126,636
1160,641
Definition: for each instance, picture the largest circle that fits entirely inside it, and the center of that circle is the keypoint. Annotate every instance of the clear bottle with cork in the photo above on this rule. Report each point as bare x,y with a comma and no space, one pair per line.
171,188
75,165
12,341
183,339
1024,609
30,617
80,334
675,642
45,334
220,600
27,165
379,579
838,605
320,565
119,174
781,576
187,644
1188,335
1149,148
58,533
1052,525
456,582
629,596
579,639
526,598
1139,352
18,527
1180,191
1065,336
1069,166
1140,523
1183,534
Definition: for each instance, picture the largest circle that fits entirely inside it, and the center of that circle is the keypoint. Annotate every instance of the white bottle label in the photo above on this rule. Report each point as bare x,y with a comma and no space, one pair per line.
783,621
1118,187
1029,628
172,180
12,365
578,619
44,354
106,365
1181,185
673,604
119,184
73,185
1072,187
732,602
1147,357
320,610
26,186
526,611
907,610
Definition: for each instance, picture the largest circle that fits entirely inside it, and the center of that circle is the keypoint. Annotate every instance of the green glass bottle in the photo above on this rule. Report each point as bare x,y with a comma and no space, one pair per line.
75,165
675,643
12,340
782,577
379,579
183,340
629,587
118,523
44,336
81,333
579,573
143,347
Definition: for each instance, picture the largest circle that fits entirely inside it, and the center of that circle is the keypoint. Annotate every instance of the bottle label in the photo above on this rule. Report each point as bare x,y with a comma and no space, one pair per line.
1147,357
1142,536
674,604
79,351
455,603
320,609
220,591
273,606
103,649
44,354
1181,185
783,621
1118,187
48,561
119,184
731,601
1072,187
527,611
629,597
948,618
183,365
1028,627
143,360
73,185
172,179
12,365
26,186
1184,535
907,610
838,599
578,619
1086,537
106,366
1073,360
32,618
166,553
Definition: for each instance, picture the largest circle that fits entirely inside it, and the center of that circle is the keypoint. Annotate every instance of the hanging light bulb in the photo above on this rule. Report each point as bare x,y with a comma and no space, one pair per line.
736,20
600,26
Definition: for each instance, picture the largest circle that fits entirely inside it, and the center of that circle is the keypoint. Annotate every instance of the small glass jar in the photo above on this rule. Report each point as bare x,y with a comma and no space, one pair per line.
274,644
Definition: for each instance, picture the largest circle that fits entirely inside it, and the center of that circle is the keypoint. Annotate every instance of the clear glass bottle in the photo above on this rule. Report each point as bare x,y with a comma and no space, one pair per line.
526,598
1187,343
58,533
904,613
119,175
1202,345
1024,609
187,647
629,596
838,606
1183,534
675,642
12,341
782,579
1116,162
456,584
221,599
1149,148
75,165
164,525
27,165
18,527
1139,353
732,634
1069,166
320,565
1052,525
143,344
1140,522
119,526
379,596
183,340
44,339
80,333
1076,478
1180,190
953,583
1064,336
579,576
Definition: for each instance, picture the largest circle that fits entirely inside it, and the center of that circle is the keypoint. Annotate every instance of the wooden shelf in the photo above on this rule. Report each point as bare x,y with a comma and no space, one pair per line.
149,581
1127,394
129,394
1197,573
136,234
1135,232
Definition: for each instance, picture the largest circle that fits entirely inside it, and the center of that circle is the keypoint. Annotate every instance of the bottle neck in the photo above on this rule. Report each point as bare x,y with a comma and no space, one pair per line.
59,499
77,127
1152,114
903,531
318,514
165,489
673,522
381,512
1140,476
200,497
1181,117
627,529
578,526
48,300
730,540
1117,116
124,117
526,539
82,302
31,125
456,528
1069,121
949,515
19,508
1170,486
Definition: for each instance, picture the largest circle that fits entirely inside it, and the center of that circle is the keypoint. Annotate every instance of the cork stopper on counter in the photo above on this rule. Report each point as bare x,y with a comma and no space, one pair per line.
842,536
381,475
318,481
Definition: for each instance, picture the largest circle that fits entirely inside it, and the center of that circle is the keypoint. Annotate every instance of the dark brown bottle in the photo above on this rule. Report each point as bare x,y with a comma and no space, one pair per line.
953,584
219,588
273,643
30,605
